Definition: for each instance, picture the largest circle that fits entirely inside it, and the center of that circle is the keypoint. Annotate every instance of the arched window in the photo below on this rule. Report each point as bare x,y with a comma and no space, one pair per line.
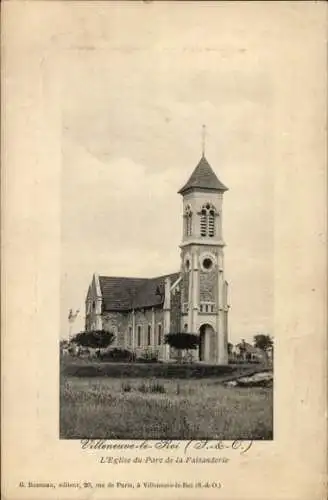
139,336
159,334
188,221
207,220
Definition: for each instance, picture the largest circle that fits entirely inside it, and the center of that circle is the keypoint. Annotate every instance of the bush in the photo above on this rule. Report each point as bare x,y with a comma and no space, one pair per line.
126,387
182,342
78,368
95,339
117,354
148,357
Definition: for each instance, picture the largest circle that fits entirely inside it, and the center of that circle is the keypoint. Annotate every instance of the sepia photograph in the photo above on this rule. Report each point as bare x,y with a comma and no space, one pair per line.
166,244
164,250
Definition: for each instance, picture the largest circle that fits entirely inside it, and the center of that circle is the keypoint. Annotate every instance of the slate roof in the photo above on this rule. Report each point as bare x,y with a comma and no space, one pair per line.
203,177
124,294
118,292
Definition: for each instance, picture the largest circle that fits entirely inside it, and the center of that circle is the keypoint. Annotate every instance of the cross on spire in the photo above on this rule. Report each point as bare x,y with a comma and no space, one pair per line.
203,139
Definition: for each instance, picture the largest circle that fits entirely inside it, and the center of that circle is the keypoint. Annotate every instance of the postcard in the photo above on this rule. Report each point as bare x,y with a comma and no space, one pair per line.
164,278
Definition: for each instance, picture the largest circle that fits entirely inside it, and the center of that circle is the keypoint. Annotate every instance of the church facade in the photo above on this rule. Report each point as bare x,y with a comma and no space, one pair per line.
141,311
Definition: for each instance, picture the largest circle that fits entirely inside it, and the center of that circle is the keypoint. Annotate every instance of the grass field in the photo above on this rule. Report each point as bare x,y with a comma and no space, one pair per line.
137,408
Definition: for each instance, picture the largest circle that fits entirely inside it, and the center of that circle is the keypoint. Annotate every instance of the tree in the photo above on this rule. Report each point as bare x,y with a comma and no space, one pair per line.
182,341
242,349
263,342
95,339
230,347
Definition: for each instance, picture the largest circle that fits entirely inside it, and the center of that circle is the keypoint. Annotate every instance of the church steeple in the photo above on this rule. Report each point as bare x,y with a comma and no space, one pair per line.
203,286
203,177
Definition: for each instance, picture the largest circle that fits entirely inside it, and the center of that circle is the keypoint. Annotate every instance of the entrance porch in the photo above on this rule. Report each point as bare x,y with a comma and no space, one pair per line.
207,344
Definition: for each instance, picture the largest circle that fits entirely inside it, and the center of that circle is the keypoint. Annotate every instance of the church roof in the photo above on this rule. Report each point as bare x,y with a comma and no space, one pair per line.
124,294
118,292
203,177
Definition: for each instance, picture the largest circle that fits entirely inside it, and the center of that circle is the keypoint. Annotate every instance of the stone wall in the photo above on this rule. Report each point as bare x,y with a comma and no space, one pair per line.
143,319
149,318
208,283
91,321
117,323
121,324
88,322
185,287
159,320
175,323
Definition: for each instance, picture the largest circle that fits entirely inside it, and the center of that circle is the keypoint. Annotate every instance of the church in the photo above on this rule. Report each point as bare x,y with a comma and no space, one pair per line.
141,311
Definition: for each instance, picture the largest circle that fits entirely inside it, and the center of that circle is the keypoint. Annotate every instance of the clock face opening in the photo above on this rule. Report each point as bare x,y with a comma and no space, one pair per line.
207,263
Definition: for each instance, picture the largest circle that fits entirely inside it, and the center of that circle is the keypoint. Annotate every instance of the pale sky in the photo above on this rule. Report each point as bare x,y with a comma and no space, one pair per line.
133,107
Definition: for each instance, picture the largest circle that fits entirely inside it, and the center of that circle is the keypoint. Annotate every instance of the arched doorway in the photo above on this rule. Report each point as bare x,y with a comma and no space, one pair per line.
207,344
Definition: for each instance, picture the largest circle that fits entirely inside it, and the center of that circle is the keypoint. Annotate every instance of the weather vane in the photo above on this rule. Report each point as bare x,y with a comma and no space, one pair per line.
203,139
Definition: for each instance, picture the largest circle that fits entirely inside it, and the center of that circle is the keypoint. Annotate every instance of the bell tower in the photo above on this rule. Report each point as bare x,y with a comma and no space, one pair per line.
203,287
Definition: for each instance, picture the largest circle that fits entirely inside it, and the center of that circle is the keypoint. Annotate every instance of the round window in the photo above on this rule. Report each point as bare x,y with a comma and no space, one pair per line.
207,263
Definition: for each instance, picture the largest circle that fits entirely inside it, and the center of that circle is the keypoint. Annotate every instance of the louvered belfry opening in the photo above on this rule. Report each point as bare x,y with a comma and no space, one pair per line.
207,220
202,180
203,222
211,223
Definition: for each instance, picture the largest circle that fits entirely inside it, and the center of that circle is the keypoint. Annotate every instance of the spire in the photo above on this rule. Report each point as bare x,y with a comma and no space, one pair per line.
203,177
